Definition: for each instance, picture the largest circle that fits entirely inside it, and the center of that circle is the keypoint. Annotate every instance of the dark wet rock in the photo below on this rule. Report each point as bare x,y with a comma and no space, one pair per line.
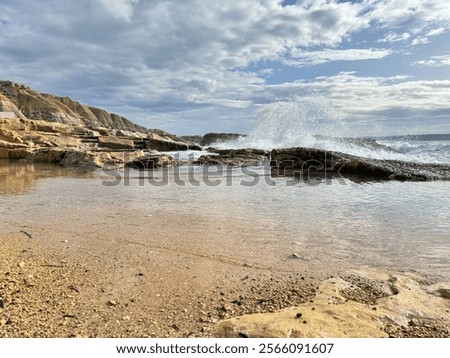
192,139
234,157
152,162
211,138
316,162
369,143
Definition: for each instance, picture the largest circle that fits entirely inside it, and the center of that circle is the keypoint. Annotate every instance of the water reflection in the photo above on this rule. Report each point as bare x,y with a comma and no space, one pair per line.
18,177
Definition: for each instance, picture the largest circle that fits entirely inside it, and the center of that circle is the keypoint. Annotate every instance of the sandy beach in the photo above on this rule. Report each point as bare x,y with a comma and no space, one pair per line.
89,278
132,291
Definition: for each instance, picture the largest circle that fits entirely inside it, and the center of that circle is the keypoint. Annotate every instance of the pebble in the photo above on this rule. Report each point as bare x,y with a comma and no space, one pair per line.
22,264
112,303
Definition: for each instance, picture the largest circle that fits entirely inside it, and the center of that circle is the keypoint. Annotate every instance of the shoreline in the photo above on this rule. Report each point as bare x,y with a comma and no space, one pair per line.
78,259
46,293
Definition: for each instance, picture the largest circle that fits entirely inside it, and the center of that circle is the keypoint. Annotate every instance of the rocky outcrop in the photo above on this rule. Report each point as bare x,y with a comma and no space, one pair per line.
78,158
310,163
45,128
211,138
26,103
152,161
115,143
164,144
234,157
191,139
57,143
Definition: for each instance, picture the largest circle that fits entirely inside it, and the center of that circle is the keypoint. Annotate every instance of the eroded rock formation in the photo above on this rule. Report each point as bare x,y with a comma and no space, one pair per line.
309,163
45,128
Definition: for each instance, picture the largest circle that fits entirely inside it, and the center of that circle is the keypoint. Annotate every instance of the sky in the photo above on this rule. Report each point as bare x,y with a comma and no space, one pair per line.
198,66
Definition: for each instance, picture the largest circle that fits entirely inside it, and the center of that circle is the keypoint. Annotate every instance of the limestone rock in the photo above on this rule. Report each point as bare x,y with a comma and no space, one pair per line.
115,143
160,143
49,129
27,103
333,314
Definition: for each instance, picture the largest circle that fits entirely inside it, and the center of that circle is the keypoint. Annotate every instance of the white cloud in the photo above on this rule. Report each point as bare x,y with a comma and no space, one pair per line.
434,61
420,41
436,32
393,37
424,18
305,58
393,13
359,97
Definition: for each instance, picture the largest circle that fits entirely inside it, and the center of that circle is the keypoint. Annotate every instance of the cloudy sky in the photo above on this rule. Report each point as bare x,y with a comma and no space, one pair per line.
195,66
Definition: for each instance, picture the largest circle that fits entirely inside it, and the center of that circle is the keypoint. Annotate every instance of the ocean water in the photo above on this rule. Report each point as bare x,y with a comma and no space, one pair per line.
314,125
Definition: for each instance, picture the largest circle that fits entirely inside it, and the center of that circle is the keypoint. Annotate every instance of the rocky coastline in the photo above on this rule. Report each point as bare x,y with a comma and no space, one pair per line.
44,128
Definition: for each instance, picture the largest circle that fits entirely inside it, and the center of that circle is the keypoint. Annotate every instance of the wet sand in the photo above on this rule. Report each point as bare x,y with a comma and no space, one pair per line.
99,285
132,291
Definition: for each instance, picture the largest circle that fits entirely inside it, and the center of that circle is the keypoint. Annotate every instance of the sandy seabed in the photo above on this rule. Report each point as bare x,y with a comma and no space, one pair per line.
166,290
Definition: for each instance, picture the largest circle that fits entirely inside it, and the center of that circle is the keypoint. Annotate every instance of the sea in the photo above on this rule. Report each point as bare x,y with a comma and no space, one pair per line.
395,225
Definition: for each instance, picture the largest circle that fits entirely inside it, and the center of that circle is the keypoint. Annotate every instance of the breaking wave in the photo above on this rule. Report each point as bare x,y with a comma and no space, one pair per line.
313,124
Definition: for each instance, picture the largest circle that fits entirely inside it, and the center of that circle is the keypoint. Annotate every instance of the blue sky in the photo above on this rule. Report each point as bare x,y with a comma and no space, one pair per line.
196,66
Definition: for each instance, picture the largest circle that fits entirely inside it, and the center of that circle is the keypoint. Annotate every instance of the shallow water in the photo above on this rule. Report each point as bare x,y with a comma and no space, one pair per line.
390,224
